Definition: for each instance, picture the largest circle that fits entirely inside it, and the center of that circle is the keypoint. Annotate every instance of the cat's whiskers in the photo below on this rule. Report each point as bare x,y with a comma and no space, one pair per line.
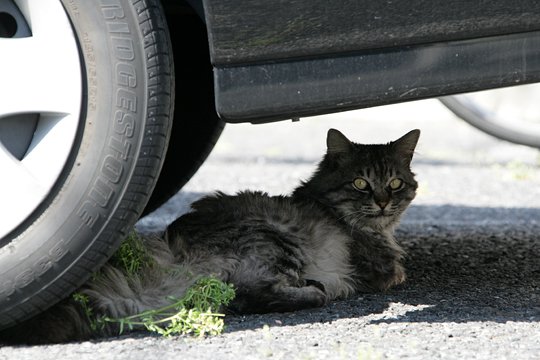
351,214
354,223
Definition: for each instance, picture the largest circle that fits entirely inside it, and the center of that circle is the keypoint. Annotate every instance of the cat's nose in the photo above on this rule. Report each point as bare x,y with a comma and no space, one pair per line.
382,204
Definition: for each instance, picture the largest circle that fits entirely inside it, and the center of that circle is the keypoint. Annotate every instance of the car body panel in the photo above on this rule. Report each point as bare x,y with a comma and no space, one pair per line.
275,91
278,59
244,31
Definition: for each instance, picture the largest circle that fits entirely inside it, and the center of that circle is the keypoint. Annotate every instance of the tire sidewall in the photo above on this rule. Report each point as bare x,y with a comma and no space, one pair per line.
78,214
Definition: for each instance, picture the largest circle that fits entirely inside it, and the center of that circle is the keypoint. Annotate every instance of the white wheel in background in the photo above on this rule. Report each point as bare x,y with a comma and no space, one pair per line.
509,113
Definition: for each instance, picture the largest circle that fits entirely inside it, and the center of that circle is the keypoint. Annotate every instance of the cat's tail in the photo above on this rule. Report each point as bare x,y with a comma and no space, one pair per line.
114,293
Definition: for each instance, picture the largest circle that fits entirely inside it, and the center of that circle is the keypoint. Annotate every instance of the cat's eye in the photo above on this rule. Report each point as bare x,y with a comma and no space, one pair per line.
360,184
396,184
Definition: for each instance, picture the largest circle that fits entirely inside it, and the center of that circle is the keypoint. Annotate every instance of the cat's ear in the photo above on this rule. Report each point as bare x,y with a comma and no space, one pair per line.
336,142
405,145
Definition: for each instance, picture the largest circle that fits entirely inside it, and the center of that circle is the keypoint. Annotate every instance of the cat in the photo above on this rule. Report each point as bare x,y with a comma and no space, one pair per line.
331,238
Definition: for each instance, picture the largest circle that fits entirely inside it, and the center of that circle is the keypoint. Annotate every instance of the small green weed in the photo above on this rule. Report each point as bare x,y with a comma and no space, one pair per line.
131,256
520,170
84,302
192,314
517,170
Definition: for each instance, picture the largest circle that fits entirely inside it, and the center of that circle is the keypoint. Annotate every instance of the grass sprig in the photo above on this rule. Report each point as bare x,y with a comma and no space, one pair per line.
194,313
131,257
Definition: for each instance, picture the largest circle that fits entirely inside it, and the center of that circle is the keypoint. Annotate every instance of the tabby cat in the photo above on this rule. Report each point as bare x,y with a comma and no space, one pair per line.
331,238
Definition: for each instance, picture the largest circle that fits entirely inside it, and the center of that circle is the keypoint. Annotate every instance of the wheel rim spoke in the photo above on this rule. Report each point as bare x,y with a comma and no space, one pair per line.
41,73
20,191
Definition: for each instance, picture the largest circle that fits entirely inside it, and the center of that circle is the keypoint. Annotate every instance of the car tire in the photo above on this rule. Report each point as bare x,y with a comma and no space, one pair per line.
111,168
197,126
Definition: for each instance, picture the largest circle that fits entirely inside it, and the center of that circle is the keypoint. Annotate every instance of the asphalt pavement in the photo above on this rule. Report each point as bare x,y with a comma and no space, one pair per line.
472,236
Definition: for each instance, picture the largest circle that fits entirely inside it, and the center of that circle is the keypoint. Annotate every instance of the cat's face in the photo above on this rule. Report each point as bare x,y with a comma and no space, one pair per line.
368,185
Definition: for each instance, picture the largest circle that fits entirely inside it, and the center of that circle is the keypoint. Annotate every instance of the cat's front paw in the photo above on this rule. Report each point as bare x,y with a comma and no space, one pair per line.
395,277
381,277
315,283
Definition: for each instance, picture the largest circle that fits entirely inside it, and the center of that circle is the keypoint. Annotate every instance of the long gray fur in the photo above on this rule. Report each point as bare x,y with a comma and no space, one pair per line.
328,240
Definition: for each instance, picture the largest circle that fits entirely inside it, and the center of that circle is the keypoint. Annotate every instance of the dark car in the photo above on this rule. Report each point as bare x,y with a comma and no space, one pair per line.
107,107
